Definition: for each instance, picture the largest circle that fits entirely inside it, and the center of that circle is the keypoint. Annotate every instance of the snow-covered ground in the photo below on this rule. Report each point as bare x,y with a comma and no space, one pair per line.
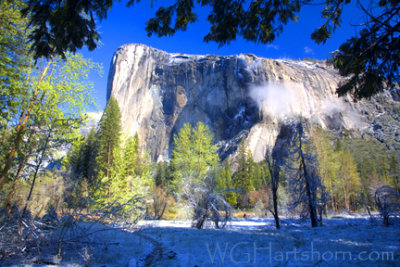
351,240
341,241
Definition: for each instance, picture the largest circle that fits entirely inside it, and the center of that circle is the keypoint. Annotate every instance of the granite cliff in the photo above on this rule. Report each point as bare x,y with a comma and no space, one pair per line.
237,96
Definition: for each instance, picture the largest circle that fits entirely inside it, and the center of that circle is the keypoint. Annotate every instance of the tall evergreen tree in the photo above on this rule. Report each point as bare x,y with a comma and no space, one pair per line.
194,153
249,175
394,173
124,188
368,156
182,156
349,178
161,175
108,138
131,154
242,178
195,161
89,158
327,163
82,157
224,181
204,150
74,157
385,168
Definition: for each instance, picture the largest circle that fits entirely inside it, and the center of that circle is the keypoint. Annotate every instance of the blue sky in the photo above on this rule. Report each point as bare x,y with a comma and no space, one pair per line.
127,25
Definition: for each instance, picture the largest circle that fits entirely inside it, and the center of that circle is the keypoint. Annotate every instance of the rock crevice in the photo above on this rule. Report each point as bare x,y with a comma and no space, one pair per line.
158,92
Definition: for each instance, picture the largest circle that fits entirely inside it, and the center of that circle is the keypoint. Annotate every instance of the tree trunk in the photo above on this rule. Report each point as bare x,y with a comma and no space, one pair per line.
369,212
20,128
19,172
347,202
200,221
14,188
333,205
34,179
162,211
275,203
386,220
274,173
311,206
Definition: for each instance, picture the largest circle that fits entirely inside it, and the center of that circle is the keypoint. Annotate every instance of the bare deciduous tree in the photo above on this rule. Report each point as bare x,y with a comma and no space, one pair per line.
305,185
205,203
387,200
274,169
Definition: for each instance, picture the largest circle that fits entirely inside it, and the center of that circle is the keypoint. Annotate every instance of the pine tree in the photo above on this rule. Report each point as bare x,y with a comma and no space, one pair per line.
108,138
128,183
182,155
143,165
117,182
224,181
249,175
82,157
194,153
260,174
131,154
75,156
349,178
204,150
242,178
127,190
394,173
161,175
252,170
194,162
89,158
81,161
385,169
327,163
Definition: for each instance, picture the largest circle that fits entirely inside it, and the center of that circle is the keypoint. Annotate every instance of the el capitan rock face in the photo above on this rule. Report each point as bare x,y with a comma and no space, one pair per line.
237,96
